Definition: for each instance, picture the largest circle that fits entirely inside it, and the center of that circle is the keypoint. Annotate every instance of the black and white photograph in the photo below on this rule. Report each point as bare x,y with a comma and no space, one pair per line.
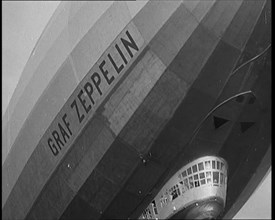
146,109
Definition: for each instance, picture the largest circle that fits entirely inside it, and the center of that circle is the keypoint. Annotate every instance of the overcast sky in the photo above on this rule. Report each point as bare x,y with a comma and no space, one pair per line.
22,24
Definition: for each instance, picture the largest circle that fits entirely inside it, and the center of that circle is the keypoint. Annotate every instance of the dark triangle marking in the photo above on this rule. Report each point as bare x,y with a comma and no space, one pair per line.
252,100
246,125
218,122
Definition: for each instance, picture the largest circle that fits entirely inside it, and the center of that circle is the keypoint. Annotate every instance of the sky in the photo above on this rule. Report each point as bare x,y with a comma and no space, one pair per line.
22,24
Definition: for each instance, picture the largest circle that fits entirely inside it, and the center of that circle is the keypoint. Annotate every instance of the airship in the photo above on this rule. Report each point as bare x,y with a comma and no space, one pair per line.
141,110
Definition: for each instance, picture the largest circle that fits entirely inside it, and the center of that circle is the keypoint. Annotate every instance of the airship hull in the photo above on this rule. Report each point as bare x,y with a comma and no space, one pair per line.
132,100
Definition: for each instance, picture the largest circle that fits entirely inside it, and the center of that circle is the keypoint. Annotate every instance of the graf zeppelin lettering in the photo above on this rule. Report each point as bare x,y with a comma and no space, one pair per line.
92,88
